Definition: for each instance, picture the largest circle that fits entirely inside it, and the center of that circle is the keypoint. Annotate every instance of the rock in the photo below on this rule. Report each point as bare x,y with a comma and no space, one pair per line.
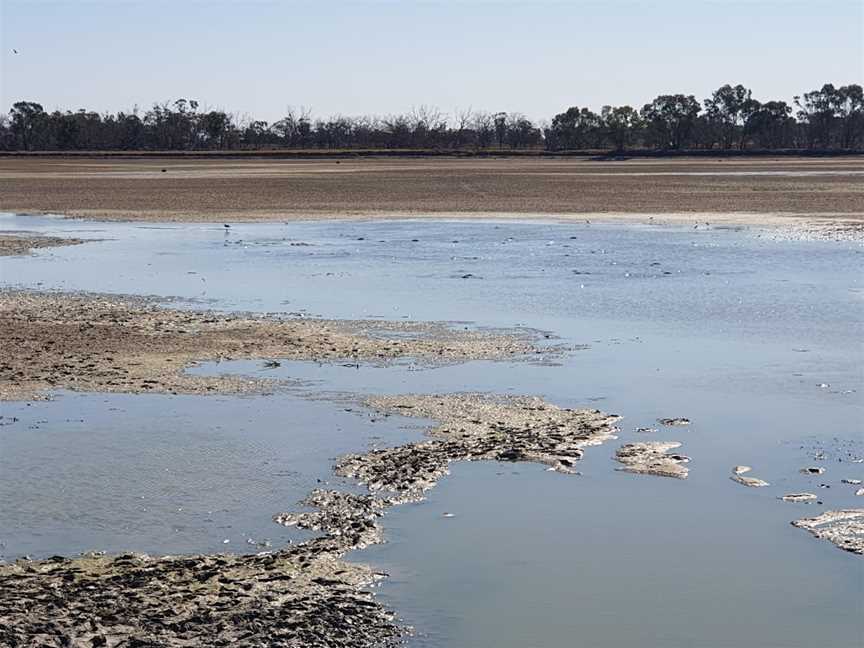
304,595
752,482
740,470
844,528
645,430
854,482
651,458
860,492
673,421
798,497
475,427
812,470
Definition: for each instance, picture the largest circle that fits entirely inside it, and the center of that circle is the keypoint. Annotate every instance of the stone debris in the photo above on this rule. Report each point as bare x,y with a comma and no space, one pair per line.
472,427
653,458
350,519
812,470
798,497
303,595
844,528
645,430
853,482
740,470
860,492
752,482
673,421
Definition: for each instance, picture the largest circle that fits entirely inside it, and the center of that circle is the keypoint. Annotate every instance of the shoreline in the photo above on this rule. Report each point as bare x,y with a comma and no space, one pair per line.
789,225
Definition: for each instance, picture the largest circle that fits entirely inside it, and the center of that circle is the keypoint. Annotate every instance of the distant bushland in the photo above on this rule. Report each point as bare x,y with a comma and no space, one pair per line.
731,121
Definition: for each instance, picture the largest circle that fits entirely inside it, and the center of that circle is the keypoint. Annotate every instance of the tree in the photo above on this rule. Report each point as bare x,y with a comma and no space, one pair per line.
27,120
770,124
819,110
620,125
574,129
727,110
851,113
521,132
500,122
670,119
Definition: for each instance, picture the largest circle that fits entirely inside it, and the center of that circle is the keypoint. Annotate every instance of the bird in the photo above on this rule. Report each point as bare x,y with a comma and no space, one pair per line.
226,226
14,51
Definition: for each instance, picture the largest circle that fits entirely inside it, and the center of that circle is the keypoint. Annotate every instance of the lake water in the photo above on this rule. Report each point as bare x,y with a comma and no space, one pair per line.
733,330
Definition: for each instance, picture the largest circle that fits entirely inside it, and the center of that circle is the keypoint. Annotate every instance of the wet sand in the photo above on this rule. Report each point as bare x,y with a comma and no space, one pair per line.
816,192
103,343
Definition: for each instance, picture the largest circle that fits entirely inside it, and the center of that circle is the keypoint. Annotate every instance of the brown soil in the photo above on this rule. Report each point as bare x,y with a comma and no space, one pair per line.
216,189
116,344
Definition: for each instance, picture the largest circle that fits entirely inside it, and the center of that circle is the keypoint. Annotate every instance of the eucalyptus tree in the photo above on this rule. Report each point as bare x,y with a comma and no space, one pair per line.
670,119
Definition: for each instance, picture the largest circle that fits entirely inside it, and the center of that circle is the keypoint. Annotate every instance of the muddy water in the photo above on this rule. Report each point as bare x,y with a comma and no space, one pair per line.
738,337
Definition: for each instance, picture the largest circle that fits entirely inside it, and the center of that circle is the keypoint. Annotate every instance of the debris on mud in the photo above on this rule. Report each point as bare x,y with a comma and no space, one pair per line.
24,243
812,470
303,595
652,458
844,528
798,497
671,422
349,518
752,482
472,427
86,342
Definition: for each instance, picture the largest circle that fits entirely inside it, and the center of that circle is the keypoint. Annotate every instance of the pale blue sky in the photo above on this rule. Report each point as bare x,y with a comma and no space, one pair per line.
381,57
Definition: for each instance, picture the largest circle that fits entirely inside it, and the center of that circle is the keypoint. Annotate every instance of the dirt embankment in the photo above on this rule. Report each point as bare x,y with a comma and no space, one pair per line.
741,191
115,344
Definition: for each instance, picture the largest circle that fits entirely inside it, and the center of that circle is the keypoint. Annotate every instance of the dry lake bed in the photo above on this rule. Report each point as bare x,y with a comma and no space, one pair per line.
446,432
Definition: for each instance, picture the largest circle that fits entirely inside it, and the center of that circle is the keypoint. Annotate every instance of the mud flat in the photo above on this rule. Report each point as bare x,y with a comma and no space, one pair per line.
472,427
653,458
22,244
303,595
86,342
844,529
820,195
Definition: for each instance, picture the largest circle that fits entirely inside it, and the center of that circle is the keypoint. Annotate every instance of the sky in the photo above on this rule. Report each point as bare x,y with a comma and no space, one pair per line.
257,58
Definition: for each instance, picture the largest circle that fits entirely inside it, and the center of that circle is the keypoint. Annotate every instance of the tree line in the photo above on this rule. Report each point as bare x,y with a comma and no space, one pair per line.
828,118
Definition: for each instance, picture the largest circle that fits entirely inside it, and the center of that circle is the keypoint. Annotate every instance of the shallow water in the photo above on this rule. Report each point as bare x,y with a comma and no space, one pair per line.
737,336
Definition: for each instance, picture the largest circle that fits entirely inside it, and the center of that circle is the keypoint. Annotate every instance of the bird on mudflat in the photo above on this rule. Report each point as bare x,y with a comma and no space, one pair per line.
14,51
